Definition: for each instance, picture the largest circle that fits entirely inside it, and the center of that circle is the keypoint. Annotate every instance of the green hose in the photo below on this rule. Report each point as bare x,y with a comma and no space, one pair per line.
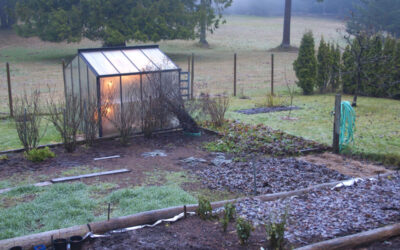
347,124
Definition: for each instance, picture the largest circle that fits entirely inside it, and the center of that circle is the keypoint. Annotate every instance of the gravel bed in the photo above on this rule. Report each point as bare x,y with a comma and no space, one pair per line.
330,213
273,175
266,110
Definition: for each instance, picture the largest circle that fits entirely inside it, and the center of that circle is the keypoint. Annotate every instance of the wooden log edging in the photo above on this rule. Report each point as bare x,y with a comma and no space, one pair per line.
356,240
143,218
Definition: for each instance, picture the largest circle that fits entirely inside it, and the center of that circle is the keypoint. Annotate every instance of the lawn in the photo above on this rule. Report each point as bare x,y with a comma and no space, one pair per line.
377,124
66,205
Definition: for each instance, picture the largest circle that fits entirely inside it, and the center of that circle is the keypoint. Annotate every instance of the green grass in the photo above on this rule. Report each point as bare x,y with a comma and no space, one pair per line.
377,124
27,210
9,137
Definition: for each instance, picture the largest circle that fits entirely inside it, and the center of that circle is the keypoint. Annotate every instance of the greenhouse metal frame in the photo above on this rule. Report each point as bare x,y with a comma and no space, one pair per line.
98,70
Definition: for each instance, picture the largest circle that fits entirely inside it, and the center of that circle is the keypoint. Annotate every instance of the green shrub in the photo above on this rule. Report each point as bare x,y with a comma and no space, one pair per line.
276,233
229,215
39,155
305,65
204,211
243,229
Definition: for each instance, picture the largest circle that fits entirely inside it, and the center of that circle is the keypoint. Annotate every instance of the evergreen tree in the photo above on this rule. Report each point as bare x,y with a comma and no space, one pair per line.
347,71
210,16
335,71
114,22
324,68
394,86
305,65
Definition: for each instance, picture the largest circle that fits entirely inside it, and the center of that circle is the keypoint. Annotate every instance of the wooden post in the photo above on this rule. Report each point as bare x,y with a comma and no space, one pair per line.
336,124
234,73
192,78
272,74
65,81
10,100
189,58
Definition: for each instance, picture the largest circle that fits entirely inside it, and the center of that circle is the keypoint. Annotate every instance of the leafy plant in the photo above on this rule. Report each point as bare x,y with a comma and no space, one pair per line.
243,230
204,210
229,215
276,233
39,155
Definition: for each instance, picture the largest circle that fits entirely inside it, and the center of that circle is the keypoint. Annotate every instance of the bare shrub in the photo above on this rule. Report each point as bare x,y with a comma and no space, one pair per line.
123,116
170,101
28,119
66,116
90,120
216,108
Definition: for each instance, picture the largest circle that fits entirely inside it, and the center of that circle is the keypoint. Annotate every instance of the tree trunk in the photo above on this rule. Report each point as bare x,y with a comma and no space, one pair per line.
286,25
203,23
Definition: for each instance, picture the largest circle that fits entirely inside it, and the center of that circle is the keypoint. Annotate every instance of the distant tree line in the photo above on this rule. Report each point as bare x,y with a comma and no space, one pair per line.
368,66
7,14
339,8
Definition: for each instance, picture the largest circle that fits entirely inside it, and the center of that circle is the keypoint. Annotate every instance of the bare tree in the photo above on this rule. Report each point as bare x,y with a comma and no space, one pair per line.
66,116
27,118
166,87
291,90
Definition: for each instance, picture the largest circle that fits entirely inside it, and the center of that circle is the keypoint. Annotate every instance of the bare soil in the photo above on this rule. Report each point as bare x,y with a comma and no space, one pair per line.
190,233
176,145
345,165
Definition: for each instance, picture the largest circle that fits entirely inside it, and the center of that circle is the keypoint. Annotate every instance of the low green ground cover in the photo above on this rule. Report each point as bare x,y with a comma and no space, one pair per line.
29,209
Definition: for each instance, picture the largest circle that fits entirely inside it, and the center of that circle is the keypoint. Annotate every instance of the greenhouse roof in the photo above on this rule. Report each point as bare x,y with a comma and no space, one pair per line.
127,60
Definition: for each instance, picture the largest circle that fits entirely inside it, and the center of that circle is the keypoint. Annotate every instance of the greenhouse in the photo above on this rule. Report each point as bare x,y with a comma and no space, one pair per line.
120,81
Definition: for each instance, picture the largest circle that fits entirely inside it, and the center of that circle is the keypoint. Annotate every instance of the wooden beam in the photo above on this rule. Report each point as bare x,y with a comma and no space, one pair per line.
73,178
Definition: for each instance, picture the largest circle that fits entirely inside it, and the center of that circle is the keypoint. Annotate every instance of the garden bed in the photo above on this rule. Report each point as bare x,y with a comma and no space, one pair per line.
265,110
312,217
330,213
272,175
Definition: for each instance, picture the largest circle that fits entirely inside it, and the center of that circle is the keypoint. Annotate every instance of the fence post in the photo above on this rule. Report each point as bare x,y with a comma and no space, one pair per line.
234,73
10,100
272,74
189,58
192,78
336,124
65,81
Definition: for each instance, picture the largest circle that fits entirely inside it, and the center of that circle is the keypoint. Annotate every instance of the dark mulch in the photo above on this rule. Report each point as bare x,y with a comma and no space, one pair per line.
330,213
191,233
264,110
273,175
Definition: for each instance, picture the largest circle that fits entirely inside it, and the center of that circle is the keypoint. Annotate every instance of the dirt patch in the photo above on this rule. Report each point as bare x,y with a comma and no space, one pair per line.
190,233
346,165
176,145
264,110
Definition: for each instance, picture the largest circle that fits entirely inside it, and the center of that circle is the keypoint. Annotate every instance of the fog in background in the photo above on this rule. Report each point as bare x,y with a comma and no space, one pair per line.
334,8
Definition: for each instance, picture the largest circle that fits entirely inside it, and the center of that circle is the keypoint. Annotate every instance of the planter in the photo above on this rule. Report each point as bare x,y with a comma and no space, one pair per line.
60,244
16,248
76,242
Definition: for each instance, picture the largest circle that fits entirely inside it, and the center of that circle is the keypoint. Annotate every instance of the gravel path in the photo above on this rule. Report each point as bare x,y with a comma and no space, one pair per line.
273,175
326,214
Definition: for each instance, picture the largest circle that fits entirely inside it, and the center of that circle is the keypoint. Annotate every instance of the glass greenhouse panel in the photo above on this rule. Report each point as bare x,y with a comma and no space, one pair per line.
110,104
141,61
83,74
75,77
100,63
68,80
121,62
160,59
